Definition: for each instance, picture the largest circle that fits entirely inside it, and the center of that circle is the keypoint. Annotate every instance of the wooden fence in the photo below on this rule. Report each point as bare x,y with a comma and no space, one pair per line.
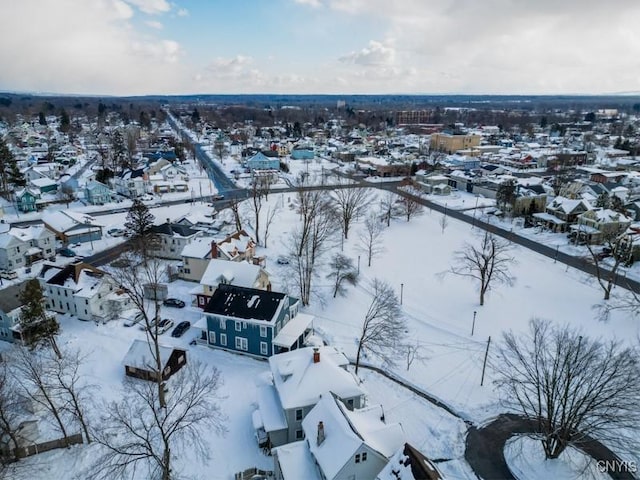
29,450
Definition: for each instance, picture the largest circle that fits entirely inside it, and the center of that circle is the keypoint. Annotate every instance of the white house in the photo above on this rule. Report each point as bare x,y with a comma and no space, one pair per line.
20,247
300,378
339,444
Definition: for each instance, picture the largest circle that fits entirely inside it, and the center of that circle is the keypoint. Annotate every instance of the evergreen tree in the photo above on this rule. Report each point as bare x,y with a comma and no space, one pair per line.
617,204
506,194
65,122
6,159
42,120
138,224
15,176
36,325
603,200
119,151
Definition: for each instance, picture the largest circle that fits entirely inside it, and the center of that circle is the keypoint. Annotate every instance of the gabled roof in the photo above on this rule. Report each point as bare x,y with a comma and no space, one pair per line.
140,356
301,383
70,275
409,464
65,220
9,297
346,431
174,229
245,303
242,274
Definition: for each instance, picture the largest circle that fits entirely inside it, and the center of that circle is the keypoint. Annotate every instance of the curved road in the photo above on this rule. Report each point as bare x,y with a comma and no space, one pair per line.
485,448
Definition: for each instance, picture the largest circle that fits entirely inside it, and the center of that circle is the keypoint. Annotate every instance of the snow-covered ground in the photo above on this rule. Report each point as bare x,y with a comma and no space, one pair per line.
526,460
439,310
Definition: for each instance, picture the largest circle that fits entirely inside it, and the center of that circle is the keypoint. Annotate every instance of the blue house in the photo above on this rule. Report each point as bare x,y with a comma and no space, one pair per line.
302,154
26,199
10,306
97,193
251,321
261,162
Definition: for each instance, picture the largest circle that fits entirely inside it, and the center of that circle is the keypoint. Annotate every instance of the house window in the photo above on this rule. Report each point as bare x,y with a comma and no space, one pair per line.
357,458
201,300
264,350
212,337
350,404
263,331
65,293
223,339
180,359
186,261
223,324
241,344
187,270
364,456
238,326
86,301
298,414
244,324
299,435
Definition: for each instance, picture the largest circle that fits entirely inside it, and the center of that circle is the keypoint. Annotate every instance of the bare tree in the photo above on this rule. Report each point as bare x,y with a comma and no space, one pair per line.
67,194
410,206
573,387
311,239
272,211
31,372
413,352
234,205
341,271
136,278
351,203
389,207
444,222
488,263
615,247
383,325
136,432
258,193
10,413
73,390
369,239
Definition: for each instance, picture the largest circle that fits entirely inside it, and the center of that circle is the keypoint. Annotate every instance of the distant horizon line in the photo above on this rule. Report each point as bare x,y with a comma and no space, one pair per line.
397,94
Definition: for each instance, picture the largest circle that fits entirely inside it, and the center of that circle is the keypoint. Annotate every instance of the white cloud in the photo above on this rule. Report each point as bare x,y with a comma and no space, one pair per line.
152,7
376,54
98,51
311,3
154,24
183,12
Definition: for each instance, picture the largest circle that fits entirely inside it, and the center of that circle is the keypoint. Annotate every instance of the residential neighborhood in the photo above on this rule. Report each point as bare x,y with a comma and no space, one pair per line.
312,283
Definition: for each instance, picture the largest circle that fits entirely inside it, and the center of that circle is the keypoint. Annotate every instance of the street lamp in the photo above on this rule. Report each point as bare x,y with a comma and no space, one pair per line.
473,223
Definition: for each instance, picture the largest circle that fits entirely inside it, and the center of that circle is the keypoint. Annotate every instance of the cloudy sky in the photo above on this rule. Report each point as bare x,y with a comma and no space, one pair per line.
134,47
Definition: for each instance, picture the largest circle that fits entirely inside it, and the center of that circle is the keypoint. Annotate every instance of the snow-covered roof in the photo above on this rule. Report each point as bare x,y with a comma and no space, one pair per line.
198,248
345,431
63,221
290,333
270,408
140,356
242,274
301,382
296,462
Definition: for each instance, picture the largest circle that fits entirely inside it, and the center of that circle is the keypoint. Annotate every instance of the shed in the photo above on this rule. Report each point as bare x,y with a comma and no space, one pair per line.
139,361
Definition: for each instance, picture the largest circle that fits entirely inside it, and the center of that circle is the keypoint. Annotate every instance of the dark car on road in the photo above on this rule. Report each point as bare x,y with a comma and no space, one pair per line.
67,252
180,329
173,302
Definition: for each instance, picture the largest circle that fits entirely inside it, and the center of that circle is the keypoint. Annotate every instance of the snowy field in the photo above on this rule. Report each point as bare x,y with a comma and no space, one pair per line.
439,310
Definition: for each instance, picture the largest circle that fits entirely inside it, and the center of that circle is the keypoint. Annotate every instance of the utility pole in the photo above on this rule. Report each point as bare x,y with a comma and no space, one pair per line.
473,325
484,364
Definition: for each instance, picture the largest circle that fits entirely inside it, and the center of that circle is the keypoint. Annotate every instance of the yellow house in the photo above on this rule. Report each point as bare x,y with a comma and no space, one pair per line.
448,143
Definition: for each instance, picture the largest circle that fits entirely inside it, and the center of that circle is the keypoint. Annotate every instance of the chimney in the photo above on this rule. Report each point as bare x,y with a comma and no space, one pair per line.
320,433
214,249
316,355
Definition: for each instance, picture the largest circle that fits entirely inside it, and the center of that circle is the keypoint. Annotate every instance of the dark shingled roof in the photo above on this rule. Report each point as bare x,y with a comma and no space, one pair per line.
421,467
9,297
245,303
171,228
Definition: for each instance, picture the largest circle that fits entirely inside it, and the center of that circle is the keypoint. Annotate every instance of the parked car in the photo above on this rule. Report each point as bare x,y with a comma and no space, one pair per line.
135,320
181,328
67,252
282,260
173,302
9,274
116,232
164,325
217,197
